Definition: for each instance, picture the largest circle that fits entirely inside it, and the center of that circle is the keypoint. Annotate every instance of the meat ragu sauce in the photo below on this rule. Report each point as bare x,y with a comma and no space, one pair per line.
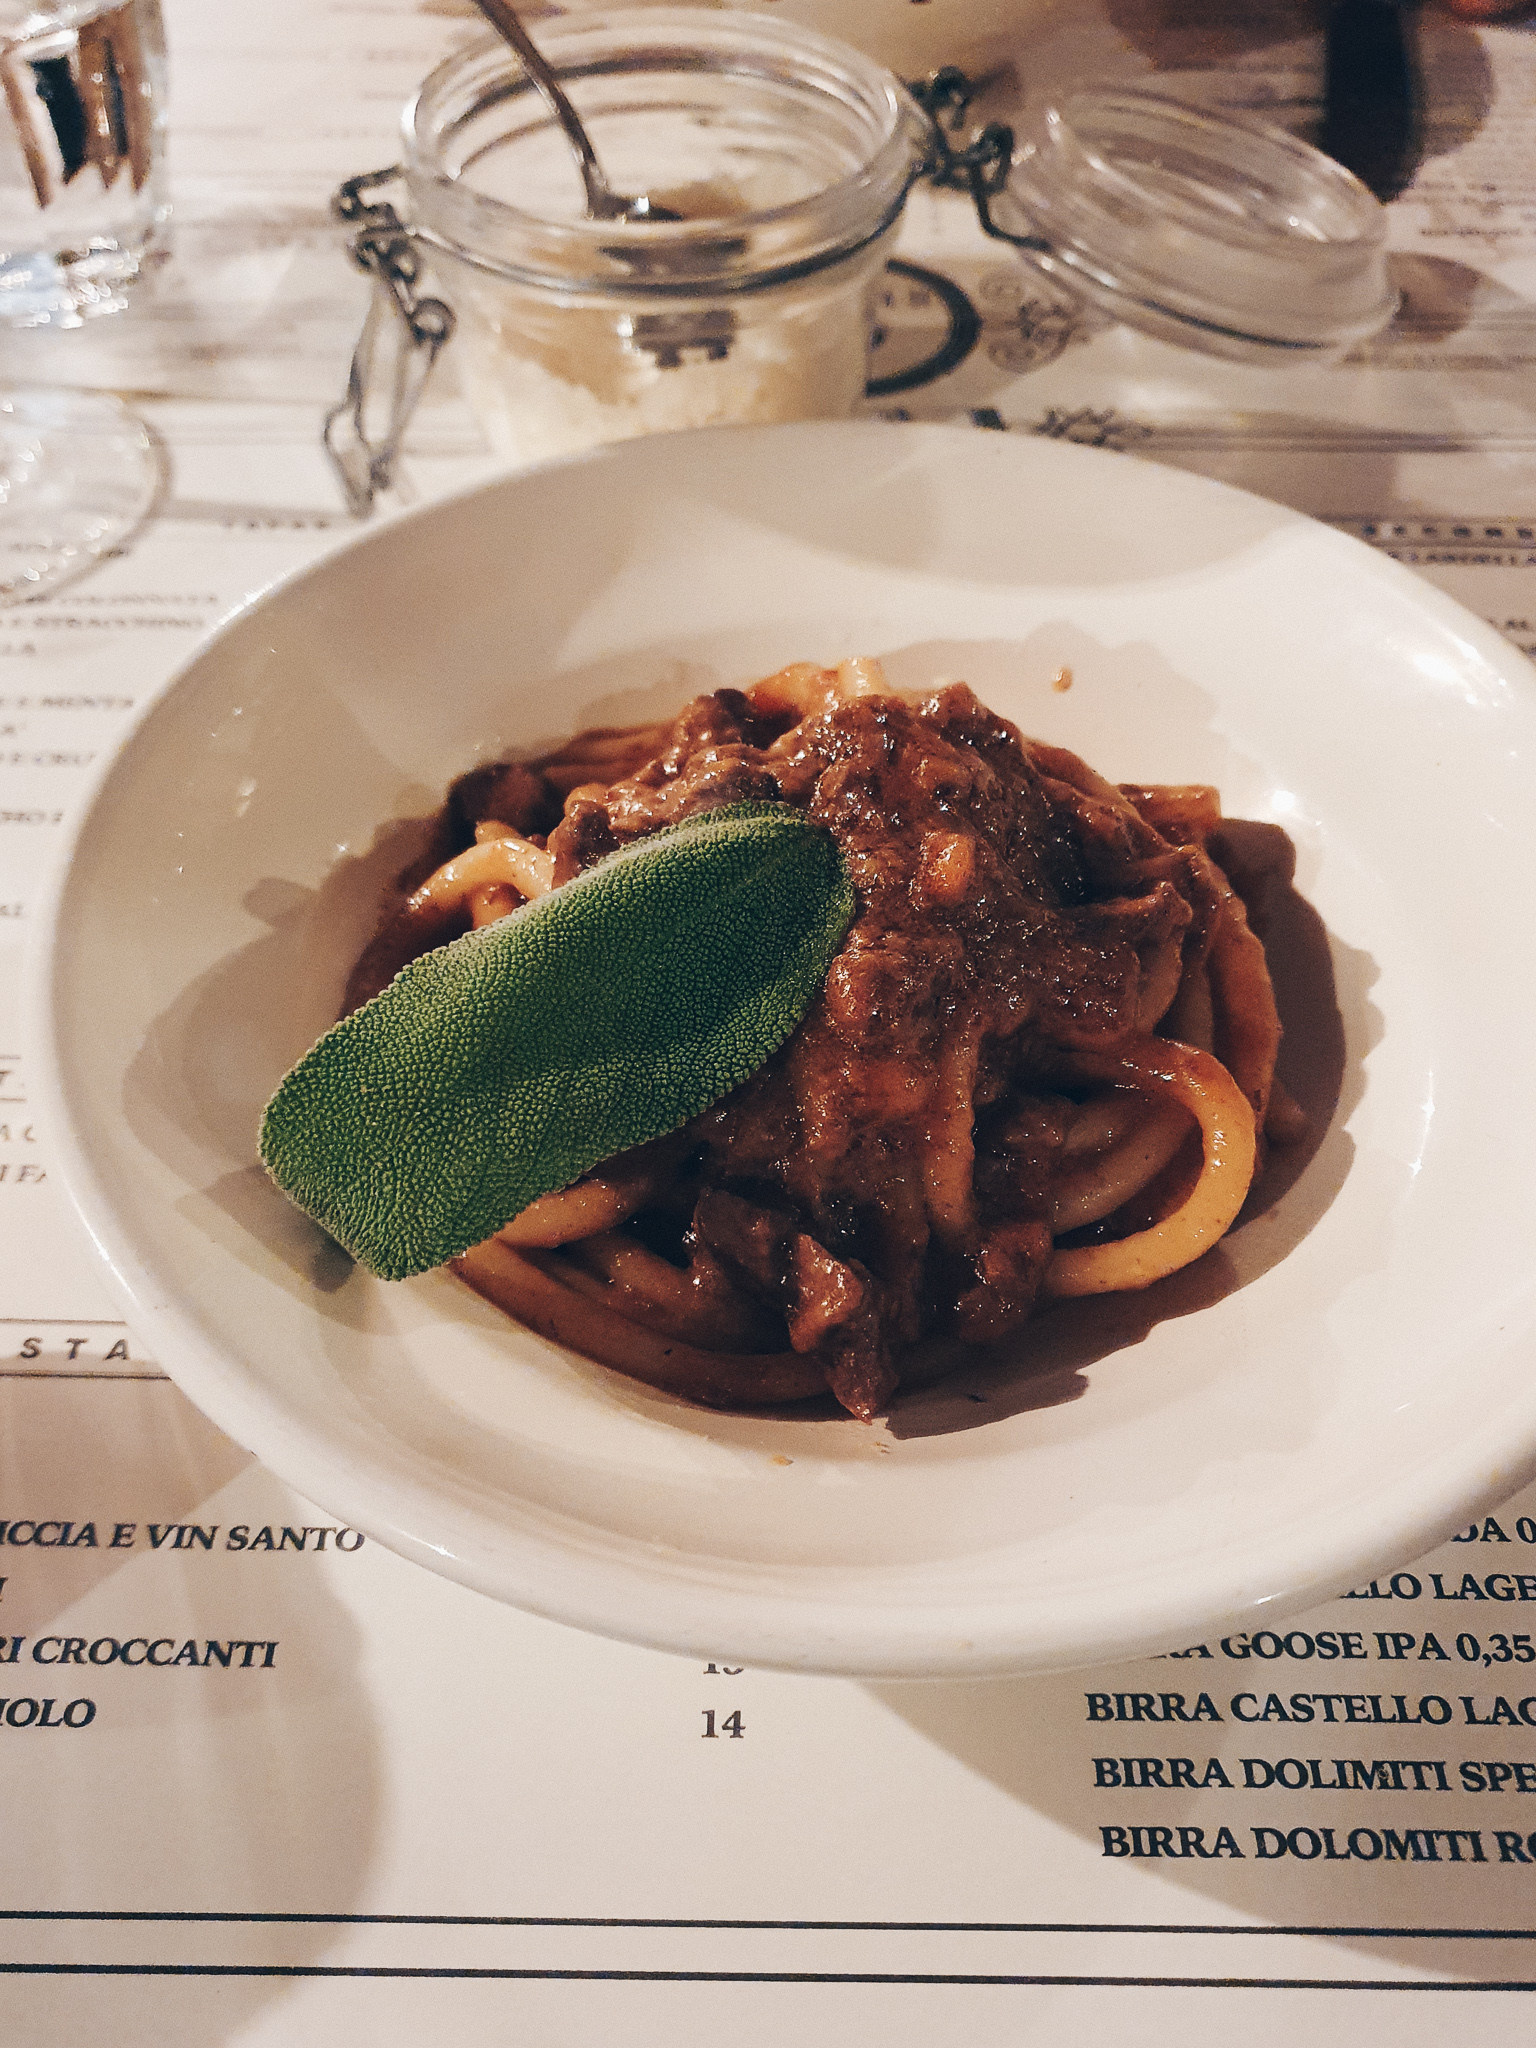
963,1097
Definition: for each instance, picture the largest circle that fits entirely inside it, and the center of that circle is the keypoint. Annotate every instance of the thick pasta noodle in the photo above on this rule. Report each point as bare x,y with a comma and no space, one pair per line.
1042,1063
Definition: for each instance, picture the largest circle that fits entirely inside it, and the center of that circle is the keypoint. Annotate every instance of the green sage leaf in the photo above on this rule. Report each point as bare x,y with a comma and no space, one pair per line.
505,1065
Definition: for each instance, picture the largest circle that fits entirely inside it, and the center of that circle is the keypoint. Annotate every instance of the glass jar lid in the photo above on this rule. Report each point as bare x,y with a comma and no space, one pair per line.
1203,227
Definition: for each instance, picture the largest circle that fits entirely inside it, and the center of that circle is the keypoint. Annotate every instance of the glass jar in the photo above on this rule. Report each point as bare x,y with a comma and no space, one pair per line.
787,154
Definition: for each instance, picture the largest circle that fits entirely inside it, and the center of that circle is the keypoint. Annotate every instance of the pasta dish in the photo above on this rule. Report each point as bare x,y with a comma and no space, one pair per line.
1042,1063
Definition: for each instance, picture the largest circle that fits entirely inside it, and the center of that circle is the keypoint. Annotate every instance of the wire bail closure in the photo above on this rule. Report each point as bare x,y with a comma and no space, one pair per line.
403,334
397,363
982,165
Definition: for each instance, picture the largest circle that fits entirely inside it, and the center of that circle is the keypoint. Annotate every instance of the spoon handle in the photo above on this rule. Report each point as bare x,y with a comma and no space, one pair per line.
602,202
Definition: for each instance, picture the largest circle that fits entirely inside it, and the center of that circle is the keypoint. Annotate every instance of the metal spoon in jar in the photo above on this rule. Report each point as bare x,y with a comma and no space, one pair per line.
603,203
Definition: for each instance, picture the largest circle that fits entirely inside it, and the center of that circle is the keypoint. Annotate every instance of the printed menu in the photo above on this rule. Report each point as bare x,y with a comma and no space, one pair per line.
267,1783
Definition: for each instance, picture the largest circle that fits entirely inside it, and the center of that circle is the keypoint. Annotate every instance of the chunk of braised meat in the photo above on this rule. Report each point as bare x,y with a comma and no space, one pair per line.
715,755
1122,850
828,1304
582,838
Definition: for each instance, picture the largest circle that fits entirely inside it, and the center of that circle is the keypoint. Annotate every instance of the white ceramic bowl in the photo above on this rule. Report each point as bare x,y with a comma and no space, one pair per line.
1336,1387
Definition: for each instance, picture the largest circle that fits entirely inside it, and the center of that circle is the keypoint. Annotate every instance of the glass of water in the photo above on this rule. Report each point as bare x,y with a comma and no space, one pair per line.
83,206
83,211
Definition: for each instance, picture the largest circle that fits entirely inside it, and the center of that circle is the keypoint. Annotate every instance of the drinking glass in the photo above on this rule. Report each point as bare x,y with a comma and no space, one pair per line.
83,212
